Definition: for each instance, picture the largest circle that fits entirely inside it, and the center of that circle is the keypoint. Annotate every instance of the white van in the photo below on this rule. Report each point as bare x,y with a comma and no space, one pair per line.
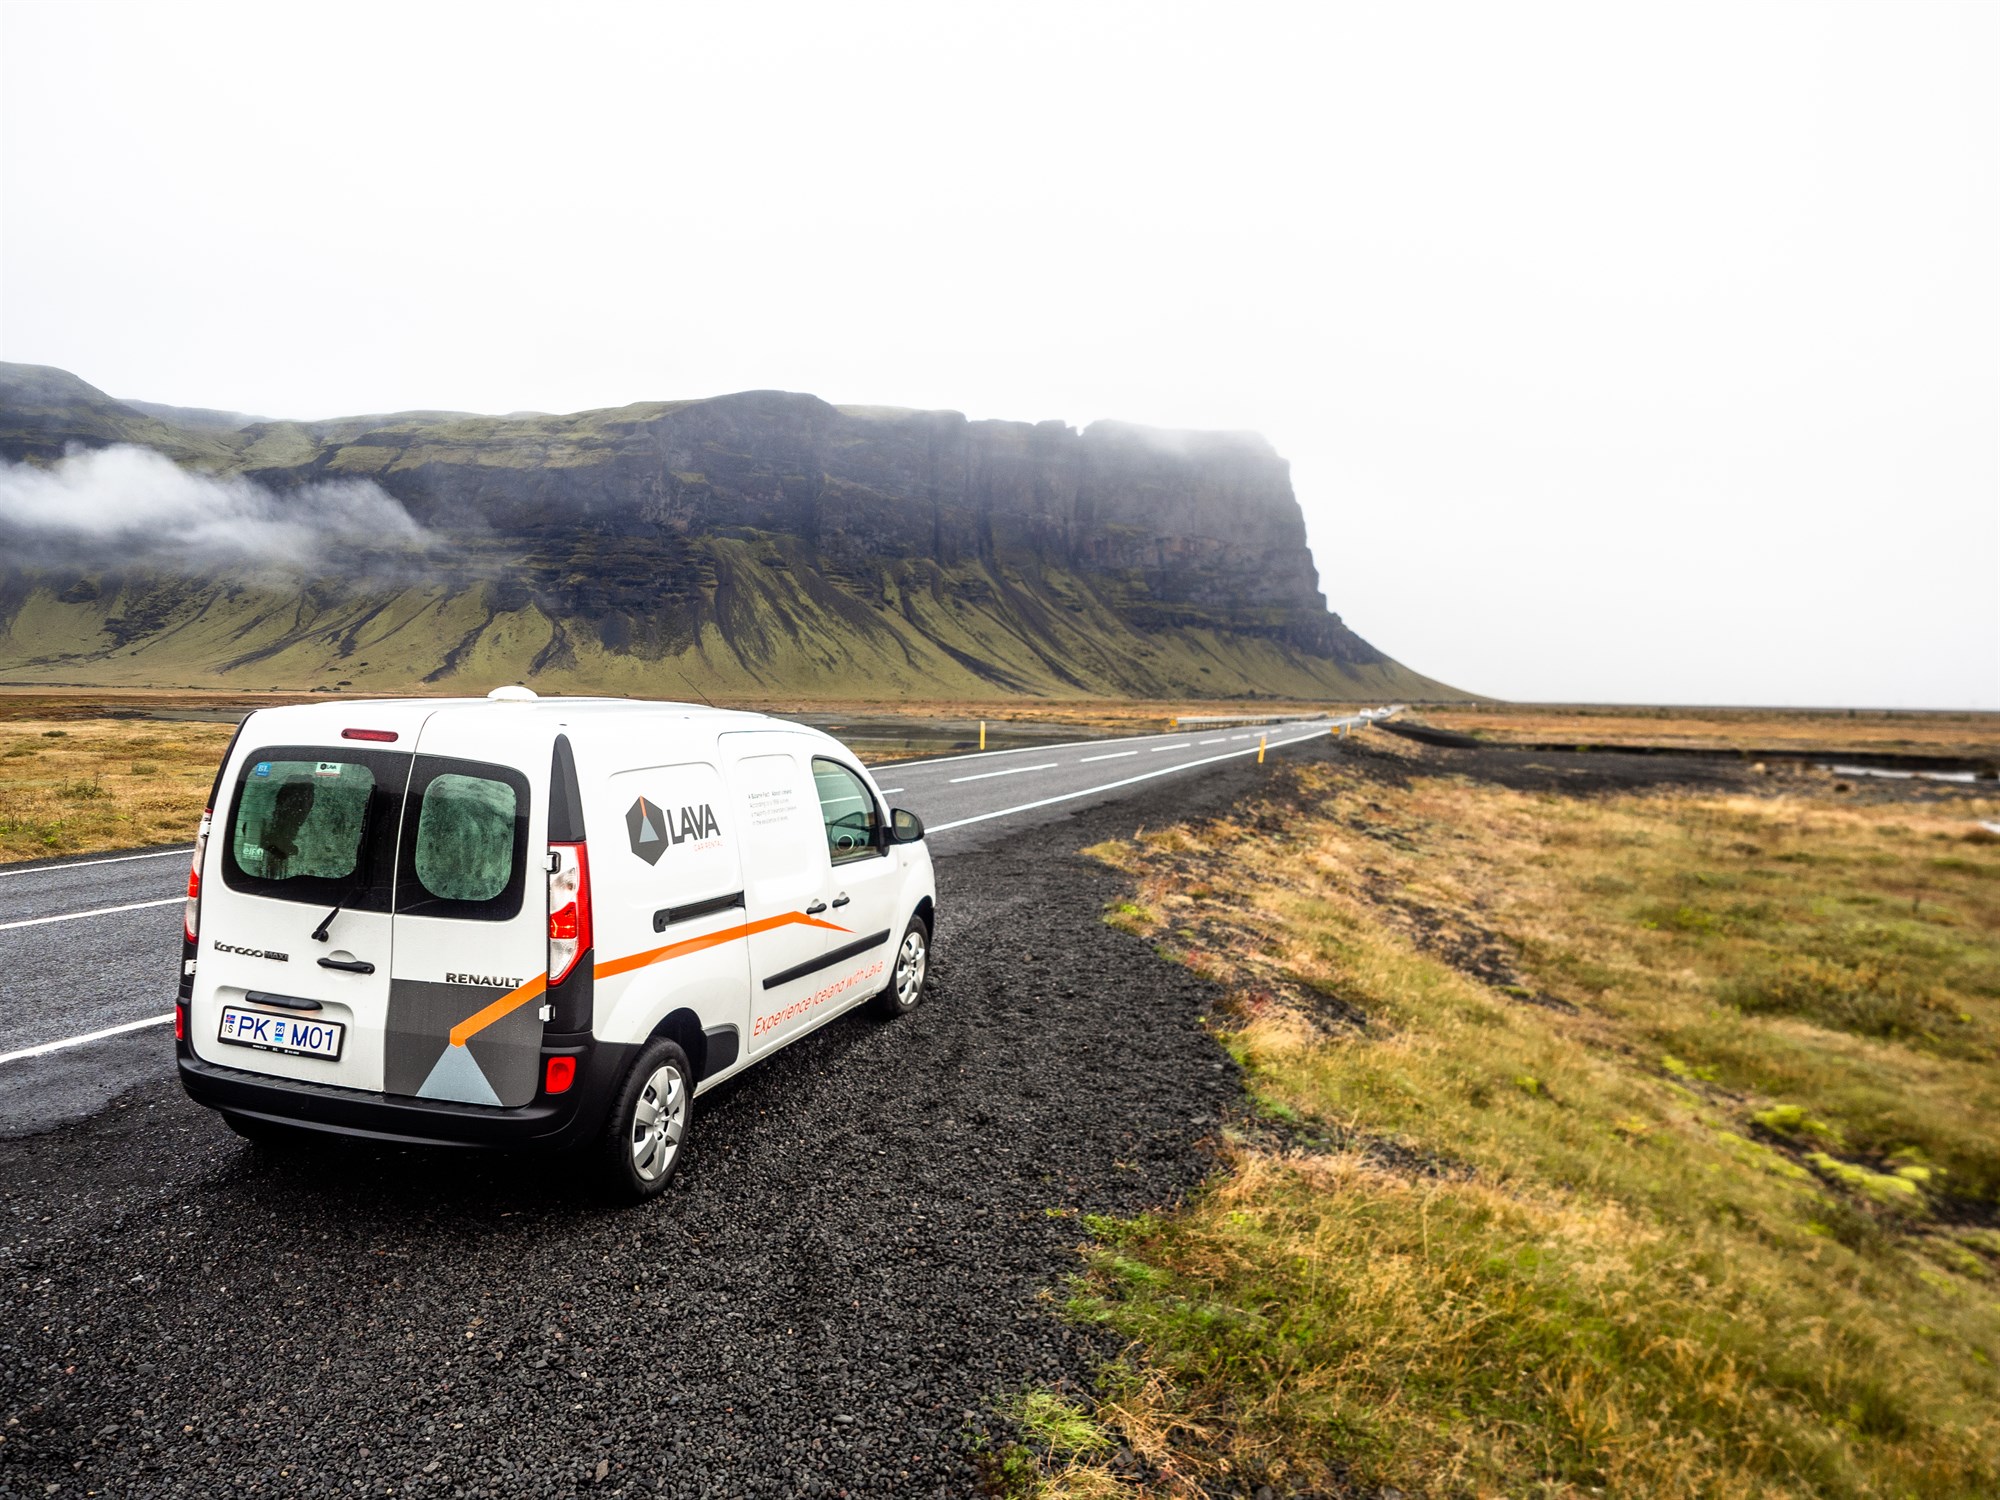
522,921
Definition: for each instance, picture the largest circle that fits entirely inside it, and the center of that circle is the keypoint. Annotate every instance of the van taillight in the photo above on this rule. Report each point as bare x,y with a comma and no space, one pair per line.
191,914
385,736
569,909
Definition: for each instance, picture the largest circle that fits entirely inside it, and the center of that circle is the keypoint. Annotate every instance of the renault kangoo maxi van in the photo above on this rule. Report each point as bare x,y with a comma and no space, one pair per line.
522,921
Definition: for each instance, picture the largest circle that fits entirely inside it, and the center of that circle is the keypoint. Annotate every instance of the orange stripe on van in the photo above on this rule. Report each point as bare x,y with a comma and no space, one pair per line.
710,940
506,1005
514,999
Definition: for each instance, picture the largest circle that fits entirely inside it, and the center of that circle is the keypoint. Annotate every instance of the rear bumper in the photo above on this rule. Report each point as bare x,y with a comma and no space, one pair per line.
551,1122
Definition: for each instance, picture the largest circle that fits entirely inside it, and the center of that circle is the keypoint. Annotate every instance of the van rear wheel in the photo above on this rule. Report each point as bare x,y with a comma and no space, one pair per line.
642,1143
912,966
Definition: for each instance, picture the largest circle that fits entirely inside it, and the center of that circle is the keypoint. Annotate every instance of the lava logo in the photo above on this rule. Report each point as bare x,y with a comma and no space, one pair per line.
652,828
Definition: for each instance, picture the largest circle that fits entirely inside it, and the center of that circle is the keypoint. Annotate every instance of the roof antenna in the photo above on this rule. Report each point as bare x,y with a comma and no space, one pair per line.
688,683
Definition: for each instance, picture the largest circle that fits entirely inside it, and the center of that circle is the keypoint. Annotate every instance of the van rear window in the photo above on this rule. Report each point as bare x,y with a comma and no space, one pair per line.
376,830
302,819
307,825
465,841
465,837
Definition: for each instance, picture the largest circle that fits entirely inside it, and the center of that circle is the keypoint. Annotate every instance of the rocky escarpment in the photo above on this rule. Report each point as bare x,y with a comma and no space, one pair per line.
757,540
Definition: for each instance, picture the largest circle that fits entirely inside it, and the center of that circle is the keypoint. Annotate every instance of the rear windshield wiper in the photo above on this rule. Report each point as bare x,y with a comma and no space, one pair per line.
323,932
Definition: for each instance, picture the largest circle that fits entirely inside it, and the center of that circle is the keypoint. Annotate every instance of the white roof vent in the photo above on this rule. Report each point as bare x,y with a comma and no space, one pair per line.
513,694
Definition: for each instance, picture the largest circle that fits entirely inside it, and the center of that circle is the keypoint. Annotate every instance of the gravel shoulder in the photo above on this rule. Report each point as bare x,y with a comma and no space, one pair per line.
850,1274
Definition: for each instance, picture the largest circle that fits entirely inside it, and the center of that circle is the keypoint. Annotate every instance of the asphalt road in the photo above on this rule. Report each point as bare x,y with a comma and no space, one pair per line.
851,1279
88,947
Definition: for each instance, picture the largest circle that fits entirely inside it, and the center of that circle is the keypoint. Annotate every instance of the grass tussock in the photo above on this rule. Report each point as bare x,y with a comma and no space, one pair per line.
88,784
1662,1164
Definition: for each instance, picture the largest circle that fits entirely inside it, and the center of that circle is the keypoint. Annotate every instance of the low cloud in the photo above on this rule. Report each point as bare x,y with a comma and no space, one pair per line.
130,507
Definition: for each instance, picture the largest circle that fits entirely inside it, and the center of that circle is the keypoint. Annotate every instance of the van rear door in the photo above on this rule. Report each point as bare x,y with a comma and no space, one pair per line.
302,833
471,915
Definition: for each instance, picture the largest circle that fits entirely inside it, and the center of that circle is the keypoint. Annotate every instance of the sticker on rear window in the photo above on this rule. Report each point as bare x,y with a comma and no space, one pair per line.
327,768
263,768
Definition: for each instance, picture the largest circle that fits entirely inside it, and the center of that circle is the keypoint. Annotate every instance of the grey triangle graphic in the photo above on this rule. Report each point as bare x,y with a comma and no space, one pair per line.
648,834
457,1076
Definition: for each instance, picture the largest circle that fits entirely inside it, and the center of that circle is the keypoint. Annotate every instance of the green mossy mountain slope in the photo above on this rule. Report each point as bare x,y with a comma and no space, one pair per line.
759,543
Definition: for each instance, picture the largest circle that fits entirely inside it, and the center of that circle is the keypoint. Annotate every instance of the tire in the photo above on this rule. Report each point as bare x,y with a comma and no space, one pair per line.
646,1134
907,972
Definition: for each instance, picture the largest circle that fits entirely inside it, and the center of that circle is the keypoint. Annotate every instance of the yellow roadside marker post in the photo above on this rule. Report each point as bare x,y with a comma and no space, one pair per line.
982,734
1260,748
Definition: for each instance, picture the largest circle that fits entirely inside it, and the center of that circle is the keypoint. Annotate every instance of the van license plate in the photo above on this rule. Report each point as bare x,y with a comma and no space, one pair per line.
295,1035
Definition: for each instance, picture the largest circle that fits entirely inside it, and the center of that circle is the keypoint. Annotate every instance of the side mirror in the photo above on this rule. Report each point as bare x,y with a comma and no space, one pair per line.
905,827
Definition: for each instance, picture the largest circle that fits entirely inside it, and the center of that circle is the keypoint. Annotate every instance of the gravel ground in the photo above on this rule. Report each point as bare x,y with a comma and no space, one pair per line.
846,1280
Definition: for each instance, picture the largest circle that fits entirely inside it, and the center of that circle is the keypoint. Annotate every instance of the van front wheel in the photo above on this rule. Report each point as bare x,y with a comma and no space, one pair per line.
907,972
641,1148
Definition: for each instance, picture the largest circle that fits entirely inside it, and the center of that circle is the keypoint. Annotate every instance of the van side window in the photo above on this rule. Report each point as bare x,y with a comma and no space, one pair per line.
465,849
848,811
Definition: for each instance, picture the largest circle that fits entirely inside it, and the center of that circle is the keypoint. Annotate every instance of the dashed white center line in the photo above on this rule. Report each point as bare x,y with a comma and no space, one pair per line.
101,911
1219,739
1010,771
84,864
1181,746
890,791
1114,755
89,1036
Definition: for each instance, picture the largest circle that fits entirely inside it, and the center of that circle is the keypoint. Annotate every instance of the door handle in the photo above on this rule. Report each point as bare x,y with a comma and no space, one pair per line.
815,908
841,899
348,965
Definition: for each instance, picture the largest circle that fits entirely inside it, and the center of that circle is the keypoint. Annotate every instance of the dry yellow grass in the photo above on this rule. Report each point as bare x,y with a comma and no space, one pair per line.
1665,1163
72,786
1970,735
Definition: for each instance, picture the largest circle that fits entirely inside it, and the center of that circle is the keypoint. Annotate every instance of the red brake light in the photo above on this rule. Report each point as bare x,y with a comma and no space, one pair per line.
181,1024
569,909
560,1075
191,912
386,736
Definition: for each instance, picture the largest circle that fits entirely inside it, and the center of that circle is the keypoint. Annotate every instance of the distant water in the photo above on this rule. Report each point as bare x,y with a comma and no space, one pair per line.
1839,770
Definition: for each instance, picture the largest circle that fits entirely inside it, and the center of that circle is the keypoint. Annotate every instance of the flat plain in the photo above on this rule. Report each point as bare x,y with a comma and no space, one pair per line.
1617,1125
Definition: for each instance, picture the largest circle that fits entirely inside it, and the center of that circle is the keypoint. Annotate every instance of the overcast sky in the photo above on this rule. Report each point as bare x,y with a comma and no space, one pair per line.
1622,352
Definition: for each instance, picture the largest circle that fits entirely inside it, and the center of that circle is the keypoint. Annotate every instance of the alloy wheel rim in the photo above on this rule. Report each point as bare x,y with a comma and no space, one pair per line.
910,969
659,1120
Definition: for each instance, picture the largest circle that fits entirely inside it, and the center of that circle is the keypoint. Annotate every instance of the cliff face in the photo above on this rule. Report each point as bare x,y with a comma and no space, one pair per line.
762,540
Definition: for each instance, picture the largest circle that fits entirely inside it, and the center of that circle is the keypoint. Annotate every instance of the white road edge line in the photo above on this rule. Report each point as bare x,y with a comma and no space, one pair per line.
89,1036
1185,765
1114,755
1010,771
102,911
1123,739
83,864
